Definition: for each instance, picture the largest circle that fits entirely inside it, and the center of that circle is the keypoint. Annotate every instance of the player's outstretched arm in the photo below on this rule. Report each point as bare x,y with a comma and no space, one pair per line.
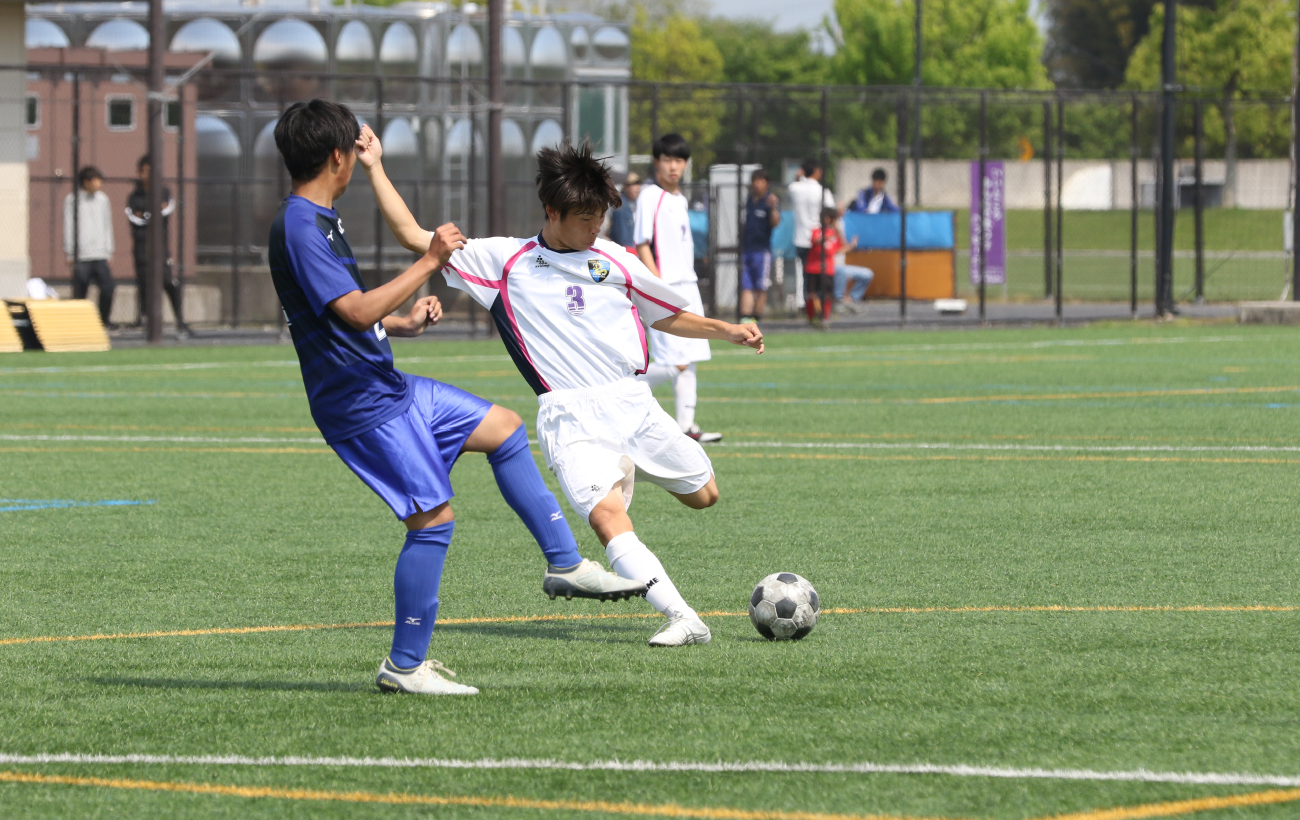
426,311
363,310
693,326
399,217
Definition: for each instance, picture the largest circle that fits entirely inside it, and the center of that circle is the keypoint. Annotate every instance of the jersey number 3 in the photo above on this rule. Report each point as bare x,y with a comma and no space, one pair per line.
575,303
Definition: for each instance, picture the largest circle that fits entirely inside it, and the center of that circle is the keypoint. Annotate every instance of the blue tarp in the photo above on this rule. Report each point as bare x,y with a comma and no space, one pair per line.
700,232
926,230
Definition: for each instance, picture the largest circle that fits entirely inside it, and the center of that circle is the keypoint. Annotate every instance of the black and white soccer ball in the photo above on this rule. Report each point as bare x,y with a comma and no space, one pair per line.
784,607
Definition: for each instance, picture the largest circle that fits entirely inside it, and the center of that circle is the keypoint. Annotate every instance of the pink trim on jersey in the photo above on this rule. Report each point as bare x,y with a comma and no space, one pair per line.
627,280
654,225
663,305
510,313
475,280
645,347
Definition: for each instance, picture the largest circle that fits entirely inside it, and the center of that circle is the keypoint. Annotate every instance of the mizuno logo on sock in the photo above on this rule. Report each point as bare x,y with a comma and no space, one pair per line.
557,516
413,621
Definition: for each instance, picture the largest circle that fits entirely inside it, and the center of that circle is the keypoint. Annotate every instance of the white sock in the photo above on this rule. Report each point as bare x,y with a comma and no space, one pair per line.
684,389
657,374
633,560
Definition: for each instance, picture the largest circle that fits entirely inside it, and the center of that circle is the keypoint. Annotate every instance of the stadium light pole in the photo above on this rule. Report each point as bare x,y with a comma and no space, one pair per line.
157,231
1168,122
496,99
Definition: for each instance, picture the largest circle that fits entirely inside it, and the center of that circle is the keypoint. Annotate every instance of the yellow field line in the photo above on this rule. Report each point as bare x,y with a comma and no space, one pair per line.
1176,807
510,619
402,799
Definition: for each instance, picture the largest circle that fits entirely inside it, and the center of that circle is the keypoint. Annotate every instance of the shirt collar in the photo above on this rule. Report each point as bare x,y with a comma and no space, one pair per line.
542,243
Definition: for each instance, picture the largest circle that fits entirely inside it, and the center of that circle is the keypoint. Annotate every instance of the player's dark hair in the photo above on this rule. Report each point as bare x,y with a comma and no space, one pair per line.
672,145
143,161
308,133
759,174
570,178
832,214
87,173
810,167
879,174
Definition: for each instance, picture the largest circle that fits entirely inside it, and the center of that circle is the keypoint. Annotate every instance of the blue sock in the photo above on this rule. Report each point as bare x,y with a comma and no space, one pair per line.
415,588
523,489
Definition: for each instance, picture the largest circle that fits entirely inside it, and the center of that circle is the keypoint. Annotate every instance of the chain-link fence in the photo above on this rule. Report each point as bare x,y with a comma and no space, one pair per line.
1076,177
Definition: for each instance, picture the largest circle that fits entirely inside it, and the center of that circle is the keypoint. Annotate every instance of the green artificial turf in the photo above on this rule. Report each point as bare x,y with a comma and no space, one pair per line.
1119,465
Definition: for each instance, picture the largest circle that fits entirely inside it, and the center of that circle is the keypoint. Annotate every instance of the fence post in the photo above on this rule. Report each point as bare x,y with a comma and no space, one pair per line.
1200,202
379,217
1295,184
978,242
1060,205
1048,282
902,152
156,236
1134,192
826,168
471,199
76,169
235,219
1169,122
180,201
654,114
740,198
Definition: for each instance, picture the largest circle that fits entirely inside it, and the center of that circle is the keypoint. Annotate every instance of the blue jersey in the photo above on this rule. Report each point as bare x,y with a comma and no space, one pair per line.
351,384
758,226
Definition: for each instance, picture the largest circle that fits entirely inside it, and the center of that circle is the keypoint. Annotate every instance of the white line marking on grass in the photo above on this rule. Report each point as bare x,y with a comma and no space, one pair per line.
182,366
1048,448
182,439
921,348
1134,775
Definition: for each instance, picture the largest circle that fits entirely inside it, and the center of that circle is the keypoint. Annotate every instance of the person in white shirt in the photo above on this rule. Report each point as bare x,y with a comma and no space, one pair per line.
663,243
807,198
88,244
572,310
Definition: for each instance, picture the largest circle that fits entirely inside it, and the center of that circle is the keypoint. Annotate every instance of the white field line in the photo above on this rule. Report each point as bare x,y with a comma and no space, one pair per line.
1134,775
173,439
1047,448
959,346
182,366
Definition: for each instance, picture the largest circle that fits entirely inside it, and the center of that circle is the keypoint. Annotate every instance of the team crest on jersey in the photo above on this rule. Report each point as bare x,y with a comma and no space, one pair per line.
599,269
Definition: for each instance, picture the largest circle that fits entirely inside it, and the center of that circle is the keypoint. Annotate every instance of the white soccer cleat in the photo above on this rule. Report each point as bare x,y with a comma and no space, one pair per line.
702,437
425,679
589,580
681,630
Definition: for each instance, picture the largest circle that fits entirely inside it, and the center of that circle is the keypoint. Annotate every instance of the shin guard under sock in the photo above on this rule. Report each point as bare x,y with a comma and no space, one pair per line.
523,489
415,591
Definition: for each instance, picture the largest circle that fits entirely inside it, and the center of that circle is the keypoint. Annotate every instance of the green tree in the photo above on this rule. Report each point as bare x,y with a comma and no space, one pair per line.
1227,49
1089,42
753,52
673,49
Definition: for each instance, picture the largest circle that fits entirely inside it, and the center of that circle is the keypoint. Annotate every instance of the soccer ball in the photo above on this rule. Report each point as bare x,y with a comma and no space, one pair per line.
784,607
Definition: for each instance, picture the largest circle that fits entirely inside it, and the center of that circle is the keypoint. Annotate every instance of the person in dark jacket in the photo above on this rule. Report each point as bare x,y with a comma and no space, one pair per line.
874,200
623,218
137,212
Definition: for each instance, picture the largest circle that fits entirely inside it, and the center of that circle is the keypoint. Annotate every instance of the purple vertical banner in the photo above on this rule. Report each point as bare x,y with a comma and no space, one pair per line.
994,246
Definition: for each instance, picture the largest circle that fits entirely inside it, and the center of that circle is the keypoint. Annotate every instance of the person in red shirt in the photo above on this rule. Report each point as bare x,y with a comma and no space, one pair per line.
819,271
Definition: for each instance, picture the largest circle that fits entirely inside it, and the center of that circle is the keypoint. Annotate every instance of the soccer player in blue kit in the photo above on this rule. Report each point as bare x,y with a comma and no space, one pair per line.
400,434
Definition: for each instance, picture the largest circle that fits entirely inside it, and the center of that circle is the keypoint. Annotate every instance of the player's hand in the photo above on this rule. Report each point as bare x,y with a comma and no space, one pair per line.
748,335
426,311
368,148
446,240
771,200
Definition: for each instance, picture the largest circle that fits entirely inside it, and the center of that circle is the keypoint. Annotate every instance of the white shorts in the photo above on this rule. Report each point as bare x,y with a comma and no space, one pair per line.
597,438
674,350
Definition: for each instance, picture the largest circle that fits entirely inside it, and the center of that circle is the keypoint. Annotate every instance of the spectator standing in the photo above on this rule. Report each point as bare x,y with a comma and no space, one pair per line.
874,200
137,213
807,198
762,214
88,239
622,220
665,245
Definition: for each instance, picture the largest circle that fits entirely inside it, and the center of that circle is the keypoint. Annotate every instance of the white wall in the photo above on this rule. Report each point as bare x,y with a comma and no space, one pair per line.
14,262
1088,184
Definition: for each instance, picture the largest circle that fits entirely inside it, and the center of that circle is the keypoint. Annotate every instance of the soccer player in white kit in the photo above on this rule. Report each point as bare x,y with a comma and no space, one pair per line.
570,308
663,243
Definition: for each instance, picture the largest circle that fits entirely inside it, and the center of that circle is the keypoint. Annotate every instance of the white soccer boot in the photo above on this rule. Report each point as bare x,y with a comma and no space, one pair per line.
425,679
681,630
589,580
702,437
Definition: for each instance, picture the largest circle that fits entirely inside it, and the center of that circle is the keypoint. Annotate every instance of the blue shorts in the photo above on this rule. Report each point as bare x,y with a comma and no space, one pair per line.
755,266
407,460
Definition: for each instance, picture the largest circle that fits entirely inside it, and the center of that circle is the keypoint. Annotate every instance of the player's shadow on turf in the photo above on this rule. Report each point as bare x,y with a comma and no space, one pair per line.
552,631
277,685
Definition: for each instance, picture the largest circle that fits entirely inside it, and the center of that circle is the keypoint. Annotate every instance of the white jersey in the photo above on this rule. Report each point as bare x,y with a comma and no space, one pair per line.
570,320
807,198
664,220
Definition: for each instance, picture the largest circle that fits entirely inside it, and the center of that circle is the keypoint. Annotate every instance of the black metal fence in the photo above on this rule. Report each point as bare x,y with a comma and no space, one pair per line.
1081,173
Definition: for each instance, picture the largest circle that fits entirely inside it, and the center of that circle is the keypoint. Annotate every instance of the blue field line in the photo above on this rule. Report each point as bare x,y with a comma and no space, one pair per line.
22,504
